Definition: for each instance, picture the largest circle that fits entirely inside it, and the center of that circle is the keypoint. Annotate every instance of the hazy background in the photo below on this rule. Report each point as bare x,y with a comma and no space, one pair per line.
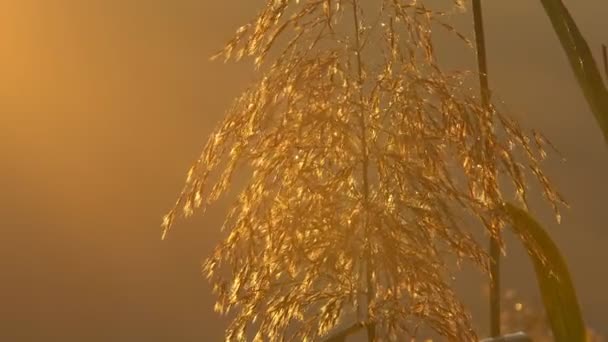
103,106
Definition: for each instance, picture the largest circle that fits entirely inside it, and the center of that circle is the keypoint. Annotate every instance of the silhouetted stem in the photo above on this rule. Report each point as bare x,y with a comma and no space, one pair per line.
485,100
605,57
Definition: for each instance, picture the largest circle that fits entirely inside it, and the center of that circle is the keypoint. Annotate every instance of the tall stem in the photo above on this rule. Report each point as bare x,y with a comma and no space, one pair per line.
605,58
485,99
371,327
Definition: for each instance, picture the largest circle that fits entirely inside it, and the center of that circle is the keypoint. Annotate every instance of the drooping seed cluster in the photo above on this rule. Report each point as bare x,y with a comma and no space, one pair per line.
367,165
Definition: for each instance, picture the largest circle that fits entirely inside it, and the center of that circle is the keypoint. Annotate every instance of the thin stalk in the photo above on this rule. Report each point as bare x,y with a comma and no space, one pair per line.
371,328
605,57
485,100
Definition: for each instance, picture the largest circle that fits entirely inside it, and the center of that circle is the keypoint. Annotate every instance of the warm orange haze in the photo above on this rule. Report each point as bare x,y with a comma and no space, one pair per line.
105,104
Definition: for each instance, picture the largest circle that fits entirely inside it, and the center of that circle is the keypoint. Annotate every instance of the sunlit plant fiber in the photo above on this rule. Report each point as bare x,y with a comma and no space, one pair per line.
366,160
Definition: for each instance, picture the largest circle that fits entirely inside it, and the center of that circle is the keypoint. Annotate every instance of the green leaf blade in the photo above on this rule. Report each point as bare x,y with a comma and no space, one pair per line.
554,280
581,61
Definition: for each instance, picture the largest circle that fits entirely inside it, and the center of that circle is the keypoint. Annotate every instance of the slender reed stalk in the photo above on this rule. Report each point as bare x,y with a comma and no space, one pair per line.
605,58
485,99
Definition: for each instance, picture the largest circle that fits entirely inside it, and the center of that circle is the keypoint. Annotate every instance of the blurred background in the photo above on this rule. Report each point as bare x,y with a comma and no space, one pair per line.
105,103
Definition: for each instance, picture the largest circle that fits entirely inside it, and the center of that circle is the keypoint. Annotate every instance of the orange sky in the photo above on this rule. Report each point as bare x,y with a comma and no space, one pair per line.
103,105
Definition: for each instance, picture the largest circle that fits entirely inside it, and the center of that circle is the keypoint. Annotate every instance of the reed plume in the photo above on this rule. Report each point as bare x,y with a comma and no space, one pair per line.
367,166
